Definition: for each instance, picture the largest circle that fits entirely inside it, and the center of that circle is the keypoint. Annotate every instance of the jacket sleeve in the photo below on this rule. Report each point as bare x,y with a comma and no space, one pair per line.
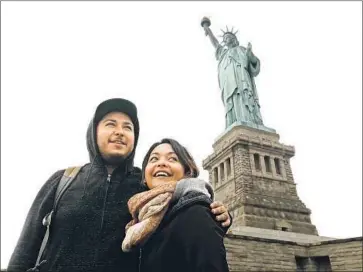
202,240
26,251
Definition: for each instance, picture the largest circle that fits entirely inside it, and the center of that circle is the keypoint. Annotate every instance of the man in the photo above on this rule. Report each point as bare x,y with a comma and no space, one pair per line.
89,224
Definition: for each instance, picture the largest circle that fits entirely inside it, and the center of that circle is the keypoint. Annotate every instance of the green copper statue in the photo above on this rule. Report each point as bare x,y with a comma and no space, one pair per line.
237,66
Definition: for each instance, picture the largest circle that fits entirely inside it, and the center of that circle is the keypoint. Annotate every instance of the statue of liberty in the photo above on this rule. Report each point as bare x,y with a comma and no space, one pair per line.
237,66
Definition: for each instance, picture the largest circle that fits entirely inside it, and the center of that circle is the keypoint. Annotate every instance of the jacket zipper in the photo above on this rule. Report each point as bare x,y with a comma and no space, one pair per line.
105,199
140,256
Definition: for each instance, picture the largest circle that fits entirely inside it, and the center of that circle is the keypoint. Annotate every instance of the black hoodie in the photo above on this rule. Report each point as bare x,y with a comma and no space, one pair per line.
89,225
188,239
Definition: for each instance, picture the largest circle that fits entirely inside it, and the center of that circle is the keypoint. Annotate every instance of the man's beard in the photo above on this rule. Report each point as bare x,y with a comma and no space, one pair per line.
114,160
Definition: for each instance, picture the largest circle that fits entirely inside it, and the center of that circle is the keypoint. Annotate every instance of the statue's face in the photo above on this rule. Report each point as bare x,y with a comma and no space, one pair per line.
229,40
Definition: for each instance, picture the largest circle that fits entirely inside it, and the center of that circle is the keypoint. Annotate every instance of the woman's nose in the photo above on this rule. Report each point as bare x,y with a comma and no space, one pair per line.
161,163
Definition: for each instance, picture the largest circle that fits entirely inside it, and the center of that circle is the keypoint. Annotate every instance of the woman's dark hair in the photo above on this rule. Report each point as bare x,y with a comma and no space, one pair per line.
186,160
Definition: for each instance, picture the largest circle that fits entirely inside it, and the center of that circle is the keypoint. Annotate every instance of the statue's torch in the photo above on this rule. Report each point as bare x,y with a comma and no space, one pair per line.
205,24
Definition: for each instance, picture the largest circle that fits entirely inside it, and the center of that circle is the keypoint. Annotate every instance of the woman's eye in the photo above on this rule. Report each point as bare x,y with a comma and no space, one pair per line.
129,128
110,124
153,159
174,159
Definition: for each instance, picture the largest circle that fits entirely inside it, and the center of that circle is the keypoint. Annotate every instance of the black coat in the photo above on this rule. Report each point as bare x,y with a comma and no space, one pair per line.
188,240
89,225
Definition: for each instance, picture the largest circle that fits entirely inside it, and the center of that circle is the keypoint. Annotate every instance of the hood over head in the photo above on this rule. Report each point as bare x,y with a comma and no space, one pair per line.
107,106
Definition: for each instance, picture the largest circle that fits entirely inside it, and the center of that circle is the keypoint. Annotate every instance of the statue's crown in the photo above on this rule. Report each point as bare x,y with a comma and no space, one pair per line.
227,31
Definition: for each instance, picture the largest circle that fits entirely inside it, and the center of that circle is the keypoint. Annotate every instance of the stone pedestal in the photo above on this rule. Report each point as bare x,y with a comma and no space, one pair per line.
250,172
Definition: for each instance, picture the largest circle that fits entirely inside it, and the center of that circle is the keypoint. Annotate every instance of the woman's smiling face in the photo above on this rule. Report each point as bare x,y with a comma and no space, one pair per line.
163,166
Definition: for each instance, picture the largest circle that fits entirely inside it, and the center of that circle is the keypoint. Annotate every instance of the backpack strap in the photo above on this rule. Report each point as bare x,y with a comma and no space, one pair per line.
66,180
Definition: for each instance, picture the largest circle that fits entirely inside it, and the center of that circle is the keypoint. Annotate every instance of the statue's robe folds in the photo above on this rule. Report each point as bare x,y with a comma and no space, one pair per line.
235,76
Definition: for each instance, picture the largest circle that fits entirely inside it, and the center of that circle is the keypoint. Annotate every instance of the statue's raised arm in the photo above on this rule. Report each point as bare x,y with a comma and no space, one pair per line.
208,32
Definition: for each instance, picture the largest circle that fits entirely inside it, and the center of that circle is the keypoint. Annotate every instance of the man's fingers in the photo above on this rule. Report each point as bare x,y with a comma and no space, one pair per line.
216,204
219,210
222,217
227,223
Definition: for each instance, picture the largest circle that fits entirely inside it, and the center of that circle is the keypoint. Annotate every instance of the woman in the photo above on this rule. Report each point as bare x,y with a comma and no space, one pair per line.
172,222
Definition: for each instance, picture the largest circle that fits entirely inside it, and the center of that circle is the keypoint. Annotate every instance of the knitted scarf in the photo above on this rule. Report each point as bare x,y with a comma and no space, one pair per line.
148,208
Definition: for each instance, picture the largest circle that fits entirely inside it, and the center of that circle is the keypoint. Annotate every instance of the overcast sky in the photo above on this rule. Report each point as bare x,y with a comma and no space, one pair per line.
60,59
